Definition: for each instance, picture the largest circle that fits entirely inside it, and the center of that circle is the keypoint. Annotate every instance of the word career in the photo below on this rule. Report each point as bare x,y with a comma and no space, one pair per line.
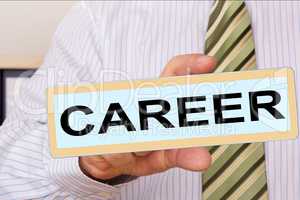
115,108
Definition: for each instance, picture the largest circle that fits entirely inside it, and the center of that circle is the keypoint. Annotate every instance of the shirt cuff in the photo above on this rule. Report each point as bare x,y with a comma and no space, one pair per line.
67,173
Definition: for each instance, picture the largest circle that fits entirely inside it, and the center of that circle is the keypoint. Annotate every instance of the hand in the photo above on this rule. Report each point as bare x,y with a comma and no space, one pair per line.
106,167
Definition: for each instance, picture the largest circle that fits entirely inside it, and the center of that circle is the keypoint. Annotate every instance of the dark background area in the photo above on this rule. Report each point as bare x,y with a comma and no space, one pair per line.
7,78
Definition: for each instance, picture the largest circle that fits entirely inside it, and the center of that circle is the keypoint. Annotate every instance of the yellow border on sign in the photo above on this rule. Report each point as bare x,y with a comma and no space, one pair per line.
180,143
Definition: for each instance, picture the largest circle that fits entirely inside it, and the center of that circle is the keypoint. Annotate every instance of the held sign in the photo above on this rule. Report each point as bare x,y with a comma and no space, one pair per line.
174,112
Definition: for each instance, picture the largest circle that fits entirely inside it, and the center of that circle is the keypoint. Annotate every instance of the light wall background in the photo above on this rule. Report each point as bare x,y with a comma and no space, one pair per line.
26,28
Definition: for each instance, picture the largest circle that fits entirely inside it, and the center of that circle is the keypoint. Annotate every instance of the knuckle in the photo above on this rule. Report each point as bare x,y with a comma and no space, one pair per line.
162,163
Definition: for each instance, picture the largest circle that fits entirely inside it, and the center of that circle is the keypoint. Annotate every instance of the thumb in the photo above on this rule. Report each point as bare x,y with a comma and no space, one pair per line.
189,64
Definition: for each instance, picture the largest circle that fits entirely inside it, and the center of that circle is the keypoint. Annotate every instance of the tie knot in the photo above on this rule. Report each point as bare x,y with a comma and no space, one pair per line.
229,37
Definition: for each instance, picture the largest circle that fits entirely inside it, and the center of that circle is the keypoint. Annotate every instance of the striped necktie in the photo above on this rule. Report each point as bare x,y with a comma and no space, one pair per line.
237,171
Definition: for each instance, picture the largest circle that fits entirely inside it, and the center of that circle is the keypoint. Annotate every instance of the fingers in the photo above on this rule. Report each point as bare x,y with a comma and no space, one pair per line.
189,64
153,163
107,166
194,159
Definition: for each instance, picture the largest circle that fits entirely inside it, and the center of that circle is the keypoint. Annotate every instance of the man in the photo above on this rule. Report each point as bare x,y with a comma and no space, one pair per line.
110,41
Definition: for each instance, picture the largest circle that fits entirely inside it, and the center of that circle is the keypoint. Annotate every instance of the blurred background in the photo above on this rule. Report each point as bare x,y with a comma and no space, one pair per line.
26,29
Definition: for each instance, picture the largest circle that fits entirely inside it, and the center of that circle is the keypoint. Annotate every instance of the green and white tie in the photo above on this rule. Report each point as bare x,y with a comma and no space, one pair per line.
237,171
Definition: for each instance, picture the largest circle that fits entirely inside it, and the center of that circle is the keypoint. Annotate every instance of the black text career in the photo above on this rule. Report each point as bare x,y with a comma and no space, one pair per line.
182,110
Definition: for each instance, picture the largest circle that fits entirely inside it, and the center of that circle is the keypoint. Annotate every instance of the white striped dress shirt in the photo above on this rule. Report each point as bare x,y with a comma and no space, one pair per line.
109,41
